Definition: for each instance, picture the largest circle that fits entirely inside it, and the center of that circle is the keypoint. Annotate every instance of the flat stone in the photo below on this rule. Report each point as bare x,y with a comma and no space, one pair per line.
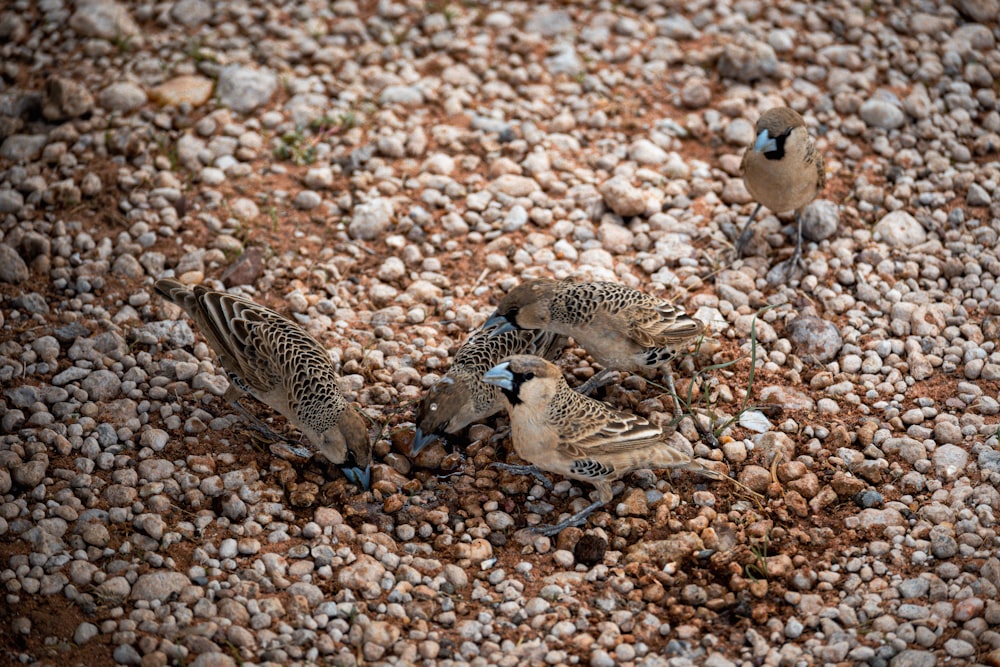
815,339
23,147
243,89
13,270
122,96
105,19
900,229
159,585
188,89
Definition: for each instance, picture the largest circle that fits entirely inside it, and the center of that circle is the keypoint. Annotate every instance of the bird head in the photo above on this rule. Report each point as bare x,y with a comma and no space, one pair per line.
525,307
773,129
350,436
525,378
445,409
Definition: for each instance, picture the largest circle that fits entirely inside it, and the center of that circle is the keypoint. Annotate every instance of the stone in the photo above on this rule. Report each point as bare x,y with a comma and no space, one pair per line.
101,385
243,89
122,96
950,461
159,586
674,549
12,268
187,89
882,114
747,59
404,95
624,198
814,339
65,98
246,269
11,201
105,19
191,13
23,147
371,219
820,220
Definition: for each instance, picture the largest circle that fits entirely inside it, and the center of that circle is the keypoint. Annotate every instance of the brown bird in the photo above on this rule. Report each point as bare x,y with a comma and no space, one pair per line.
620,327
782,171
461,397
561,431
274,360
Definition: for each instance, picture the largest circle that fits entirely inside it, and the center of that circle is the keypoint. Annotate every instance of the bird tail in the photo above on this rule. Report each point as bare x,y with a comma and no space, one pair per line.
177,293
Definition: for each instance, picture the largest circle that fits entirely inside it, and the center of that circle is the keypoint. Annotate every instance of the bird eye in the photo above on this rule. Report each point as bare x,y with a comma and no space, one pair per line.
529,376
434,407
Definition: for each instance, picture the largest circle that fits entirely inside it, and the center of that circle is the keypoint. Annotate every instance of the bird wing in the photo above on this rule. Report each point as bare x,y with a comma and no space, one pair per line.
657,323
597,431
245,333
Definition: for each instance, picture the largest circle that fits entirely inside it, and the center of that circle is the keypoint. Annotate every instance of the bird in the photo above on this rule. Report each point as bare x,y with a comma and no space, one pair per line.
461,397
783,171
558,430
620,327
271,358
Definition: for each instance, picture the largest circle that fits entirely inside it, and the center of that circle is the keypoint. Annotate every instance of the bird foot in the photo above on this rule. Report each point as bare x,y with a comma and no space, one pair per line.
360,477
577,519
289,451
595,382
500,435
741,242
784,272
532,470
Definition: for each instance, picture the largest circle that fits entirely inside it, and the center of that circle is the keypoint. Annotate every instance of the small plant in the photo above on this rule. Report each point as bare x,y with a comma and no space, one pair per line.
296,147
690,403
757,570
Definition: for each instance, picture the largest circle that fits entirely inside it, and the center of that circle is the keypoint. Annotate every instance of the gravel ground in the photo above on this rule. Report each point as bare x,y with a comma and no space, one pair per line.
384,171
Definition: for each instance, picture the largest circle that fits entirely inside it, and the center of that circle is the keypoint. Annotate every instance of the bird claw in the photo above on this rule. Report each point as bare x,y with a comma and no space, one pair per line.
577,519
525,470
288,451
605,377
360,477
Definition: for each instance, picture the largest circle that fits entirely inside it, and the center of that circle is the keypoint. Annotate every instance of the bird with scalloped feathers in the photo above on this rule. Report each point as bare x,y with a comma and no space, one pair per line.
561,431
271,358
462,397
620,327
783,171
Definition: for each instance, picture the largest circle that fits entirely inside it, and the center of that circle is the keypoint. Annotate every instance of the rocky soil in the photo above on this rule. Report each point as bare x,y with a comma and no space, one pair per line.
383,171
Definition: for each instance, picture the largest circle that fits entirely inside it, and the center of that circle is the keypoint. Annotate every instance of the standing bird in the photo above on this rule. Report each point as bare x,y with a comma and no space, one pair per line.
620,327
462,397
271,358
782,171
561,431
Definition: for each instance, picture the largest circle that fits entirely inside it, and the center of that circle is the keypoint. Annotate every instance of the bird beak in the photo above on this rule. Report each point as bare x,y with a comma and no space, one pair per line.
421,440
359,477
500,376
764,143
500,324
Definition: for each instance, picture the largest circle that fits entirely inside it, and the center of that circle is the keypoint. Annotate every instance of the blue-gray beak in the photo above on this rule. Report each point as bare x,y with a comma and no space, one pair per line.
421,440
764,143
359,477
500,376
499,324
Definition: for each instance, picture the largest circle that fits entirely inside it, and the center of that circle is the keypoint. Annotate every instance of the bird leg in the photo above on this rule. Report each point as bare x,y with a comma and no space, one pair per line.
669,377
794,263
597,381
577,519
745,233
532,470
253,422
